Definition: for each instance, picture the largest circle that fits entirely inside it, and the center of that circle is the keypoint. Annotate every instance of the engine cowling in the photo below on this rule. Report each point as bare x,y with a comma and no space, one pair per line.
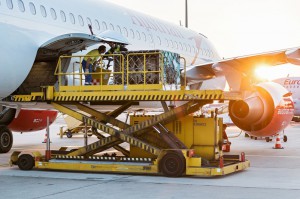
32,120
265,112
8,116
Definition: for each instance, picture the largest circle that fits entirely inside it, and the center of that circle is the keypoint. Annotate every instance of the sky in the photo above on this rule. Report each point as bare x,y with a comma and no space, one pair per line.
235,27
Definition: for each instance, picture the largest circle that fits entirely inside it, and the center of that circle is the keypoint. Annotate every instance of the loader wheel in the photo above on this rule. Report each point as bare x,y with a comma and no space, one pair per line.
69,134
172,164
25,162
6,139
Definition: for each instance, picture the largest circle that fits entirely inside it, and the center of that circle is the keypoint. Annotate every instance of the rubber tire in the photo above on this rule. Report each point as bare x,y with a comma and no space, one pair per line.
69,134
25,162
90,133
6,139
172,164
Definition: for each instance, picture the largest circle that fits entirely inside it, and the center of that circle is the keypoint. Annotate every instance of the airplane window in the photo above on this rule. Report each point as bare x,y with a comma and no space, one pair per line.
150,38
138,35
171,44
131,33
80,20
21,6
53,14
201,51
180,45
185,48
167,42
176,44
125,32
159,40
89,21
111,27
119,29
189,48
144,36
104,25
32,8
194,49
9,4
205,52
43,11
63,16
97,24
72,18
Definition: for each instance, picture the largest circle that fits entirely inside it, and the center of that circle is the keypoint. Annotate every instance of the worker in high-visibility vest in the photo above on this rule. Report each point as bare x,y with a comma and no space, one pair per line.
115,48
88,61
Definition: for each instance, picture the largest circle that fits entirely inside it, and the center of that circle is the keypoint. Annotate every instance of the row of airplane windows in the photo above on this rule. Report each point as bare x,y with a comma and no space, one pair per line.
291,87
124,31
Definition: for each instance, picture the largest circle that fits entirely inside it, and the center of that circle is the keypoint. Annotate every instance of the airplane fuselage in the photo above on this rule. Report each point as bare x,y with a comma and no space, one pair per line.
292,84
27,25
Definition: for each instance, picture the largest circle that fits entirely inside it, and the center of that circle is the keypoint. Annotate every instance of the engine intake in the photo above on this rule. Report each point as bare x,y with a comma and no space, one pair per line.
265,112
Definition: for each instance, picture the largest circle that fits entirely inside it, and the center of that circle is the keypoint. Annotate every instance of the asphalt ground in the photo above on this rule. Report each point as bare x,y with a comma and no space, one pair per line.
274,173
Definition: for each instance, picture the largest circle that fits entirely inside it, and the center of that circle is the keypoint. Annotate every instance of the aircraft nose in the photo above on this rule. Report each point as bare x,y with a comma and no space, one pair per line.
18,51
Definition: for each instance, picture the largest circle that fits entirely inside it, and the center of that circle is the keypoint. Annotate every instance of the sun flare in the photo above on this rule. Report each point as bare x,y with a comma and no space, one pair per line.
264,73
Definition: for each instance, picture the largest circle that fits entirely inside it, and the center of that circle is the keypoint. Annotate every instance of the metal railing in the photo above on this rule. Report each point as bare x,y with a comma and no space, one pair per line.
129,71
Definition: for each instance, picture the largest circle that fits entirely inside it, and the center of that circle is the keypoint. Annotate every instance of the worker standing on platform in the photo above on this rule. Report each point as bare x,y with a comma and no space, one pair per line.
88,62
115,48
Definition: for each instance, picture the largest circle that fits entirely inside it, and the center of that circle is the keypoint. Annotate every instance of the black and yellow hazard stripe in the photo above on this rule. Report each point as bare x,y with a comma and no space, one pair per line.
106,141
107,129
142,145
101,143
177,95
103,158
24,98
138,96
163,117
116,135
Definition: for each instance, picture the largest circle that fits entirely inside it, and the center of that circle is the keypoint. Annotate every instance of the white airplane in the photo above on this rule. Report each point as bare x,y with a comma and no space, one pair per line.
34,33
292,84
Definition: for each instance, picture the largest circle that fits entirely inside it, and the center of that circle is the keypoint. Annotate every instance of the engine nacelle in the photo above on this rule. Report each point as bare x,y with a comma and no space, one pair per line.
32,120
265,113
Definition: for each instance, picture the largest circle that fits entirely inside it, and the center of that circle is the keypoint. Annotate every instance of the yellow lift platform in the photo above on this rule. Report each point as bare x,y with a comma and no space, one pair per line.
173,143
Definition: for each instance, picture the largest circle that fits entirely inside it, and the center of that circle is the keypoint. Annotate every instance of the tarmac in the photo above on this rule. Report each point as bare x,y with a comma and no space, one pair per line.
274,173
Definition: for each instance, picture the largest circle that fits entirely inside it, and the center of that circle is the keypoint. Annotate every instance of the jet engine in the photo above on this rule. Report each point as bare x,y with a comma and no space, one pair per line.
26,121
265,112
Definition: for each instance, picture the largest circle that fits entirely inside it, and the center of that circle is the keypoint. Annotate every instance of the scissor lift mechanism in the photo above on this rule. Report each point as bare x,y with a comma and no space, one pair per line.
165,152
